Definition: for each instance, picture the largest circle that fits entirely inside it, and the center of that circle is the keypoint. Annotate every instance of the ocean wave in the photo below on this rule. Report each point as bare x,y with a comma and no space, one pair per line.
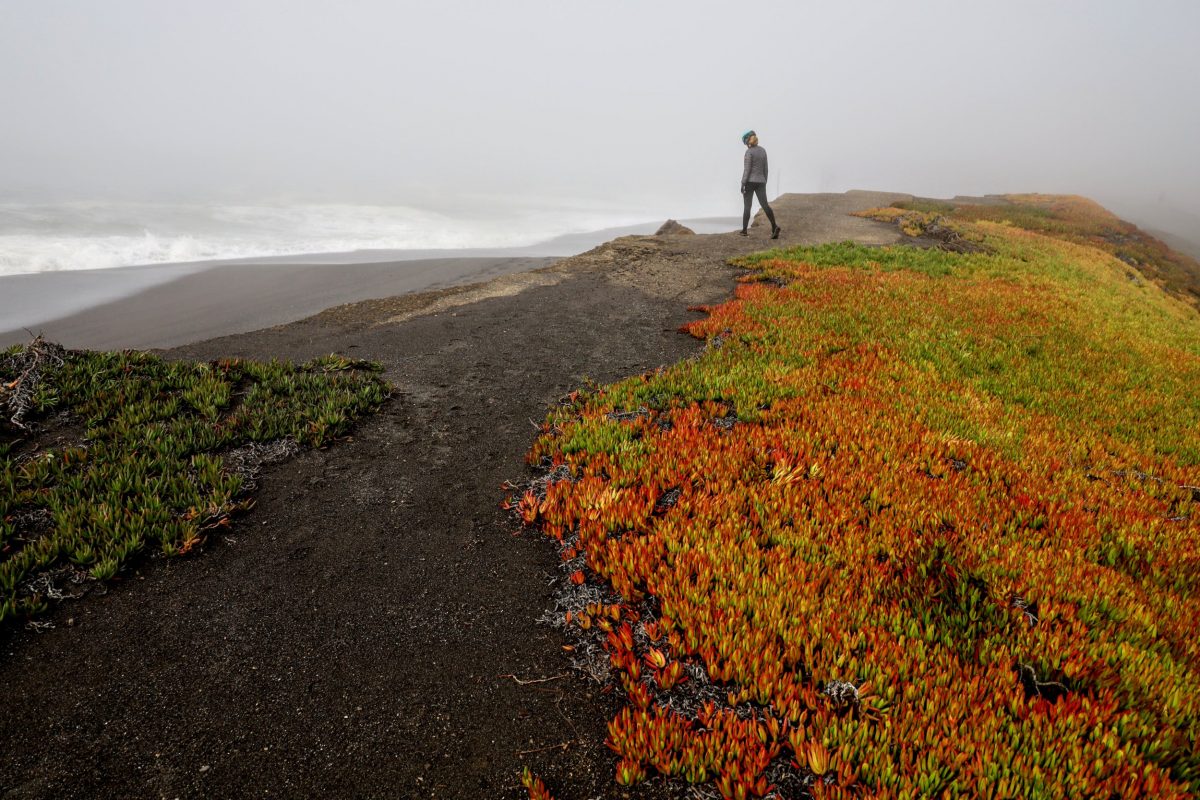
86,236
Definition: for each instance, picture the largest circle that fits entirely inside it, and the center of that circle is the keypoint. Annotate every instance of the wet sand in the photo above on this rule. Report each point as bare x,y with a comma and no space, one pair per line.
219,300
162,305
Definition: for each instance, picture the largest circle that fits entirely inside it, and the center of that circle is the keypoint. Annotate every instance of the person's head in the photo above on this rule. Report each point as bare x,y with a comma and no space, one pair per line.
750,138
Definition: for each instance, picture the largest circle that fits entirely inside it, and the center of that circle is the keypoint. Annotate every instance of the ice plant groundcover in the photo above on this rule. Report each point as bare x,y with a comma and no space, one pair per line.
917,523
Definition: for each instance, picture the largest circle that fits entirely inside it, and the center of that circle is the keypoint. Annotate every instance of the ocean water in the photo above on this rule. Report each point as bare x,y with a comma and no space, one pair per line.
88,236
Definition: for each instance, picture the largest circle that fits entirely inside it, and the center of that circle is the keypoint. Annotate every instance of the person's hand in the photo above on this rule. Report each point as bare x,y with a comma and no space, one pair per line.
743,188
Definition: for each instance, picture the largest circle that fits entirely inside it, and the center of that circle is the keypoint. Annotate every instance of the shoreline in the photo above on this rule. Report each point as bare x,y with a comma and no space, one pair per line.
73,303
234,298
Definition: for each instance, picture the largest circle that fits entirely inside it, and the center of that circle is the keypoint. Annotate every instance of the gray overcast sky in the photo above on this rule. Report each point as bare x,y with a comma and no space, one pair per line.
634,103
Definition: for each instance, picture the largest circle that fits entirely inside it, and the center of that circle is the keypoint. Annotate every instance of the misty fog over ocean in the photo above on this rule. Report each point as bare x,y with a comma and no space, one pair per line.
44,237
94,235
141,132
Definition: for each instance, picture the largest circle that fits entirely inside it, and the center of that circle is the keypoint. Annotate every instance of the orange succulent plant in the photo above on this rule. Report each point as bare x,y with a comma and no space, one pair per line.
928,520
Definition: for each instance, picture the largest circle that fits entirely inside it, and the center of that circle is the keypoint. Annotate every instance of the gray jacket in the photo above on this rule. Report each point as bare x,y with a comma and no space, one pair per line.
754,169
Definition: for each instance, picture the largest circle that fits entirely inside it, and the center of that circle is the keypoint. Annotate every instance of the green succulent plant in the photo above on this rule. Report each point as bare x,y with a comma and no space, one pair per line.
151,465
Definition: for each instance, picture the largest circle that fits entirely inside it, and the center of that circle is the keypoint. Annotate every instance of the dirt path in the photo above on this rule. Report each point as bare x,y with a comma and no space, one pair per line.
349,636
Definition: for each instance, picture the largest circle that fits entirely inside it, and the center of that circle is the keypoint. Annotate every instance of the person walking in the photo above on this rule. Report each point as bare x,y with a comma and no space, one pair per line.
754,182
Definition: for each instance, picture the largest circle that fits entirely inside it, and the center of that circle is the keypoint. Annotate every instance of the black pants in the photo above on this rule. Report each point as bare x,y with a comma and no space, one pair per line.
760,189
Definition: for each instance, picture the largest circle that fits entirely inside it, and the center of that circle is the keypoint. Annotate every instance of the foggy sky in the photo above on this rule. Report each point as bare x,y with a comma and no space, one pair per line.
631,104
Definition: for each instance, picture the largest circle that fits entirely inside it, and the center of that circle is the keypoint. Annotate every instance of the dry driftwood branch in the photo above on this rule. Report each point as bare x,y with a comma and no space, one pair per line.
32,362
532,681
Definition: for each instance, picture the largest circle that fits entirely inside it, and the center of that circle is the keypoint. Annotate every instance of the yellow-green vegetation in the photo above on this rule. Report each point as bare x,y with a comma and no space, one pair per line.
917,523
155,461
1075,219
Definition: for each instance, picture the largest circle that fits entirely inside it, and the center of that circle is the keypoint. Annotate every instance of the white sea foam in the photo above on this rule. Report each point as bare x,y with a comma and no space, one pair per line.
72,236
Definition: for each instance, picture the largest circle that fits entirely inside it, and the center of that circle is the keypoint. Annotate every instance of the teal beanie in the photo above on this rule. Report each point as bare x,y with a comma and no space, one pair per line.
746,136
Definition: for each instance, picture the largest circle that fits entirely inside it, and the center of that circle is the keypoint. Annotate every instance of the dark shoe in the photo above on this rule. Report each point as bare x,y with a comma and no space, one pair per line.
743,233
775,233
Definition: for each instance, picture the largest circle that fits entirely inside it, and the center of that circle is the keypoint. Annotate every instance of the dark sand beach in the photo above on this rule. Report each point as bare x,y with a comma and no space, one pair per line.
235,298
163,305
356,634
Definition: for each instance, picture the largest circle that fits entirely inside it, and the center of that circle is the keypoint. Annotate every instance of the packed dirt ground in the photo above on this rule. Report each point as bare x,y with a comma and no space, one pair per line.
369,629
